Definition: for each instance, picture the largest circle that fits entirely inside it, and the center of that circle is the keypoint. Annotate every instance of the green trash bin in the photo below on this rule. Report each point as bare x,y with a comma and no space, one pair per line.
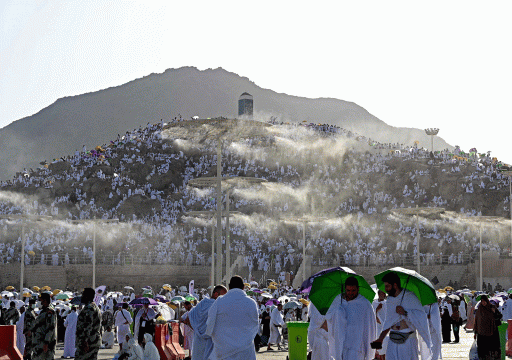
502,330
297,340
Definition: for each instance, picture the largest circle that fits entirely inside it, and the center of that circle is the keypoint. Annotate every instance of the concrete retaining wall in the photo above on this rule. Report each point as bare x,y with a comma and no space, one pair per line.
114,276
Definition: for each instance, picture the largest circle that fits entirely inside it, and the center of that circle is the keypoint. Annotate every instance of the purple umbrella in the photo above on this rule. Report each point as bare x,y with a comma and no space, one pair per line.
272,302
160,298
142,301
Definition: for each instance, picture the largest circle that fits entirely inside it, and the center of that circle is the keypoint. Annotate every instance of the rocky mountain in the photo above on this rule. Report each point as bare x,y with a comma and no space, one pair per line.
95,118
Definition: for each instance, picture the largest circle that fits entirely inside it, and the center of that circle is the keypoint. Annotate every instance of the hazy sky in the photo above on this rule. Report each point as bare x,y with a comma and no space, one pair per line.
445,64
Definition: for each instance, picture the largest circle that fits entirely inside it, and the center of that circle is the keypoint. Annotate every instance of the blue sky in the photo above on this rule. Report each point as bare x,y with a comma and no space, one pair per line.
410,63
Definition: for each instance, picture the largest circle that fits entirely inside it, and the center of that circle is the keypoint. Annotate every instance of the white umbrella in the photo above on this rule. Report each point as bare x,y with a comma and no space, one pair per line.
6,293
19,303
292,305
129,288
266,295
282,299
254,283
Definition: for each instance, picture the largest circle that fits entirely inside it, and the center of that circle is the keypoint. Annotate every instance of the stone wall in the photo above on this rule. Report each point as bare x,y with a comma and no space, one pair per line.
114,276
494,270
118,276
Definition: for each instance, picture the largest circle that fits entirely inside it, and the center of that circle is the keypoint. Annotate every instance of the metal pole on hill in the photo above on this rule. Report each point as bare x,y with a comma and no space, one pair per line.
218,234
212,275
509,174
94,256
228,240
24,218
304,251
22,270
418,242
94,221
481,277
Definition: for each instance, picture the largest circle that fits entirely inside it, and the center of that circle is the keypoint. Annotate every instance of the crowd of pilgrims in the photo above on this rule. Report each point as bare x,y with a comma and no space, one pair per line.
163,237
132,326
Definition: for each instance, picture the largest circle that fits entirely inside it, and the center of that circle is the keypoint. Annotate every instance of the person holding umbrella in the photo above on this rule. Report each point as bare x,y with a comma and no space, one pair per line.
361,323
405,317
145,320
487,319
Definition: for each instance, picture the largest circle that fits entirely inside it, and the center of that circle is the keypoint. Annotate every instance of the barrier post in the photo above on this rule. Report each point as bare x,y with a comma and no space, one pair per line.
8,349
508,348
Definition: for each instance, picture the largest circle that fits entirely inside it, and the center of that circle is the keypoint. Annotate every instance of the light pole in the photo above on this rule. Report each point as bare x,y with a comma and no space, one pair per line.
211,214
509,174
220,129
416,213
304,220
229,182
94,221
24,218
432,132
484,220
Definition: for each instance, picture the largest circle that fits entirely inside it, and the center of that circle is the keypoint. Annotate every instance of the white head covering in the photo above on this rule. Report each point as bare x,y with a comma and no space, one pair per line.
150,350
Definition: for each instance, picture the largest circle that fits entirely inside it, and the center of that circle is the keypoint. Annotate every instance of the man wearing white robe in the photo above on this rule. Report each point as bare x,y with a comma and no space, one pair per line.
122,322
20,326
336,318
507,311
434,325
404,315
361,323
70,334
379,305
318,334
188,332
203,344
143,316
233,323
276,322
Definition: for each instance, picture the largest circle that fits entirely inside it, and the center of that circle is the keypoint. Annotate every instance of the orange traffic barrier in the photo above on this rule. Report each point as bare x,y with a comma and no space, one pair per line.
161,338
8,349
508,348
175,339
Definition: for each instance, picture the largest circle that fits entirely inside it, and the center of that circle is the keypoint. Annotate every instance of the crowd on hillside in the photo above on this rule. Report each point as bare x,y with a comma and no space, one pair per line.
352,185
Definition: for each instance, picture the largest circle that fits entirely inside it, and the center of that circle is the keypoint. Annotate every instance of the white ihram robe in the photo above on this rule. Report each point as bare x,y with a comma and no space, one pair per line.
416,320
70,334
203,345
122,316
337,324
188,334
507,312
20,338
361,329
434,325
318,337
233,324
381,315
276,318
